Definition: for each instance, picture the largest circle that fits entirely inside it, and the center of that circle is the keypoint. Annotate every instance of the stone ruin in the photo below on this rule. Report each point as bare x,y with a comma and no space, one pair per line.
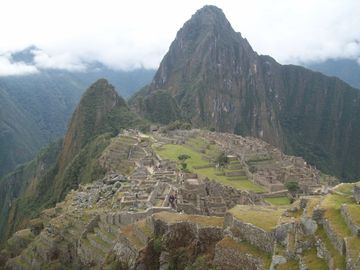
356,191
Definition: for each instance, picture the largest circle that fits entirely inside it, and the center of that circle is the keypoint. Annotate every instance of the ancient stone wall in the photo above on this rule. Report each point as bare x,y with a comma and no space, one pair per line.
323,252
355,229
229,258
356,190
254,235
336,240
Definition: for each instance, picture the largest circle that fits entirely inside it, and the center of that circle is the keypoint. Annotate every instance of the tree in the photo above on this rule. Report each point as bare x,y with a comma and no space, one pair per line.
293,187
183,158
222,160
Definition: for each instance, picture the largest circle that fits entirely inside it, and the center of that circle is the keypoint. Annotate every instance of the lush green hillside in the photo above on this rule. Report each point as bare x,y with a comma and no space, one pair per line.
159,107
35,109
18,140
100,115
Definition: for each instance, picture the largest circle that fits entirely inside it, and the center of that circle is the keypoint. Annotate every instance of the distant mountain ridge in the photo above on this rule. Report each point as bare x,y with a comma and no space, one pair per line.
217,81
345,69
35,109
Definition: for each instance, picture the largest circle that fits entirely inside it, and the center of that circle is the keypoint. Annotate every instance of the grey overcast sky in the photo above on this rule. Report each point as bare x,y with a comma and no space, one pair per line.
131,34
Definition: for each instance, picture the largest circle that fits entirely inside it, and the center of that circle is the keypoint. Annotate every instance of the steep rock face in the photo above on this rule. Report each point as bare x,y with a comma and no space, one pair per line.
218,81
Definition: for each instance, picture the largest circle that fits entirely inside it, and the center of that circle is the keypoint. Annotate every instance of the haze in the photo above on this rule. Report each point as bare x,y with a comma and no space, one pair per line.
133,34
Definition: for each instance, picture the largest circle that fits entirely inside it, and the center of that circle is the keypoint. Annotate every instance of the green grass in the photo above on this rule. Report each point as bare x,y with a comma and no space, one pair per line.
346,188
235,182
353,244
313,261
278,200
339,260
200,220
198,142
310,206
332,204
245,247
265,217
292,264
172,151
354,212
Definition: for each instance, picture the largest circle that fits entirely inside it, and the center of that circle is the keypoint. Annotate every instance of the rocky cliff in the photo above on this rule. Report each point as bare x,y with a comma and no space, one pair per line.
218,81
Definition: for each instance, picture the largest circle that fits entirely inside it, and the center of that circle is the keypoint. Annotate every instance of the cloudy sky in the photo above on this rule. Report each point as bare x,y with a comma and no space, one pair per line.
131,34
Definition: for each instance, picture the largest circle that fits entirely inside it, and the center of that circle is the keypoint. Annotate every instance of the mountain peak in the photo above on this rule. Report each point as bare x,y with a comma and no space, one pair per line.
202,43
98,107
101,83
207,18
210,13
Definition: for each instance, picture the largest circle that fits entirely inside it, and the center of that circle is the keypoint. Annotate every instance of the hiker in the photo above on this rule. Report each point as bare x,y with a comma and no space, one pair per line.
172,199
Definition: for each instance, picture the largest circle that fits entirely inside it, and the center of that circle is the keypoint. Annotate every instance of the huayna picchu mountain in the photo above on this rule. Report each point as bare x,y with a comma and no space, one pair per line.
216,80
42,182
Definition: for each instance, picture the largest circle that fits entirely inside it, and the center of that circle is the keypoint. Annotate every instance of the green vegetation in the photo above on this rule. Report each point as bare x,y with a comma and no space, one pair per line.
100,115
199,165
200,263
235,182
265,217
200,220
339,260
354,212
245,247
222,160
293,187
346,188
311,205
353,244
158,245
292,264
278,200
159,107
332,204
183,158
177,124
313,261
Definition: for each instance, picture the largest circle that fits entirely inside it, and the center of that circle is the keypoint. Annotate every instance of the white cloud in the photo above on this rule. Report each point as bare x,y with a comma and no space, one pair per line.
60,61
130,34
7,68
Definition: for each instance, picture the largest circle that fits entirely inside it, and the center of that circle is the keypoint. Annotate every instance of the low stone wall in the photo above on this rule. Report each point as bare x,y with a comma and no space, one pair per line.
90,226
235,173
356,190
323,253
188,208
310,226
184,233
279,193
351,264
125,218
355,229
232,196
229,258
254,235
337,241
